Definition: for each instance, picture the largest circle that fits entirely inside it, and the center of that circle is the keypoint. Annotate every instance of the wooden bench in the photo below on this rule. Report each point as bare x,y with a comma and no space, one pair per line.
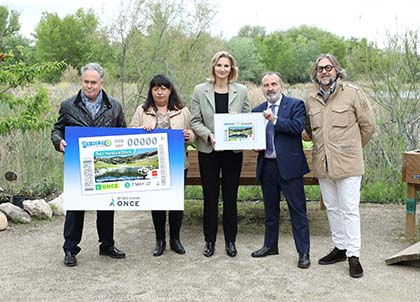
411,175
248,177
249,164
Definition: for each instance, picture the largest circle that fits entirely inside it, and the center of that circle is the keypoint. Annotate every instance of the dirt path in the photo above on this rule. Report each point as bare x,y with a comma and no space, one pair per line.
31,266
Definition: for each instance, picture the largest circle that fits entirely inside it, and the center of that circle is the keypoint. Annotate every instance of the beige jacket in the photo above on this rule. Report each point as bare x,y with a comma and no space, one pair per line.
203,109
179,119
339,129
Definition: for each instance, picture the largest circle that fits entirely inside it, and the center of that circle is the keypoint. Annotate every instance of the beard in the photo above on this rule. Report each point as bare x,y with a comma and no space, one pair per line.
272,97
326,82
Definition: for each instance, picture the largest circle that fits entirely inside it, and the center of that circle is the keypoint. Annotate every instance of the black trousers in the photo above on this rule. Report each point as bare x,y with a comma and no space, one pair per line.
175,221
73,229
229,164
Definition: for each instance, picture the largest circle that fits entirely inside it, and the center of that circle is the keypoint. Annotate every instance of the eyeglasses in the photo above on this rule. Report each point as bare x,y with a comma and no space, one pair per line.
327,68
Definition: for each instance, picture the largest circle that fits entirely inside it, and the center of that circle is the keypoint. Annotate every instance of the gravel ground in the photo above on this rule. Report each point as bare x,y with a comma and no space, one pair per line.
31,267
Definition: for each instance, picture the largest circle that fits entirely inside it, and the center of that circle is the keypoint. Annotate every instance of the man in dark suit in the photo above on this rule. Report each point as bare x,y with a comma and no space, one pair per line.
281,166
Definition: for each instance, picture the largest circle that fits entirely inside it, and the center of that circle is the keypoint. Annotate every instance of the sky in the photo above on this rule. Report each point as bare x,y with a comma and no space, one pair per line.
371,19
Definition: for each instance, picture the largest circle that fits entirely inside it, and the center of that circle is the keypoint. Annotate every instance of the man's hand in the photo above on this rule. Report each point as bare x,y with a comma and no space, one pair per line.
305,136
62,145
268,115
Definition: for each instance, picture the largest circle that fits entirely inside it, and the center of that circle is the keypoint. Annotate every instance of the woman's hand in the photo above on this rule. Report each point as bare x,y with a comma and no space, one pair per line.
212,140
187,134
147,128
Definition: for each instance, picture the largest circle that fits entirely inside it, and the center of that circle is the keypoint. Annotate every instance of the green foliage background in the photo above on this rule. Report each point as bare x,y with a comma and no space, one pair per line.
149,37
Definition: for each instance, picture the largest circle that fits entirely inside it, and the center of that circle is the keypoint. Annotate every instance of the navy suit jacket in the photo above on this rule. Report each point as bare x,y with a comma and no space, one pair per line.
290,123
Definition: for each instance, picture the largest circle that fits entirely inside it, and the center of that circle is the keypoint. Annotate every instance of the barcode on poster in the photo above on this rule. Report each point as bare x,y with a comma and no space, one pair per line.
162,164
87,170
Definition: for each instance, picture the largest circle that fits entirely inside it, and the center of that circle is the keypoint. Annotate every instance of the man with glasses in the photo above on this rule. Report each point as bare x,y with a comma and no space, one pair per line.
340,123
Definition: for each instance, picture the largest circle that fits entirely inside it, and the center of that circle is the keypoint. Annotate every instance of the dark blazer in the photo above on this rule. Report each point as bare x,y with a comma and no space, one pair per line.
74,113
291,121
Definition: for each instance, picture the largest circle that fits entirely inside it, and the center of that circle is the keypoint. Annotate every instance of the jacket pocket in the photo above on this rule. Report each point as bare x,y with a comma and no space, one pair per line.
342,116
315,118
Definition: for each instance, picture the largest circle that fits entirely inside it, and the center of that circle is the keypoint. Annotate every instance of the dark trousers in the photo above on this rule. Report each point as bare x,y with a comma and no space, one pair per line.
230,165
272,184
73,228
175,221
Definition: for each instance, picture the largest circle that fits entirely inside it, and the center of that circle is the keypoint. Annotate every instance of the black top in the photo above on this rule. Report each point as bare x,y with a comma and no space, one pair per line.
221,100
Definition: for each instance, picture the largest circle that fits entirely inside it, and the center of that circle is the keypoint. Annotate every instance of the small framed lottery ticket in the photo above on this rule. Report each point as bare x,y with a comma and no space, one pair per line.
242,131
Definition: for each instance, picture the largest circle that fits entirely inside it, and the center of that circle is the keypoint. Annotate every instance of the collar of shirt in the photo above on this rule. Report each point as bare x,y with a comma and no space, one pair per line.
93,107
276,104
326,94
97,101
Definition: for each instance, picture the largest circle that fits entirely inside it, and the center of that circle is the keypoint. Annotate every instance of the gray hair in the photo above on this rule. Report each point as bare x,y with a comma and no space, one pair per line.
268,73
95,67
341,72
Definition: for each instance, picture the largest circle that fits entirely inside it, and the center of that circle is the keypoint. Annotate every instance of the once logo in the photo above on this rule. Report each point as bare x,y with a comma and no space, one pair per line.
125,203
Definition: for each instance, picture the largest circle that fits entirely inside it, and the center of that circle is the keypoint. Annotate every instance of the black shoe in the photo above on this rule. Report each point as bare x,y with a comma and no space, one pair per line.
265,251
69,259
112,252
159,248
355,268
231,249
176,246
208,249
336,255
304,261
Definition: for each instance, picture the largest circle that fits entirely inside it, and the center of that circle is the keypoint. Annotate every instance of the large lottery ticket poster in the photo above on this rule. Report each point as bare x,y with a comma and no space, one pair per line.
123,169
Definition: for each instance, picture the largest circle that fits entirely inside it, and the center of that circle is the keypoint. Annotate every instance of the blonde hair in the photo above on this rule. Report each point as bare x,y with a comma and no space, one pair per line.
233,75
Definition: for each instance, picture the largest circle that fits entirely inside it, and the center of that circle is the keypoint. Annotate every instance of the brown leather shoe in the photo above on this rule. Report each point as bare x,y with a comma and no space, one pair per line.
336,255
355,268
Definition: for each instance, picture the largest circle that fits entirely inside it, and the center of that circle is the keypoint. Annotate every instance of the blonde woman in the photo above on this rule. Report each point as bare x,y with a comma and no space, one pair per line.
218,95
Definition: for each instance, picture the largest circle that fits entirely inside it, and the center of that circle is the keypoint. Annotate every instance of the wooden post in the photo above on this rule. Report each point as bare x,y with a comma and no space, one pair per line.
410,218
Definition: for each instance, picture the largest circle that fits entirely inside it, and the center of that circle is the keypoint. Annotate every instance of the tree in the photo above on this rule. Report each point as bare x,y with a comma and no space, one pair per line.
9,24
249,31
24,111
392,82
76,39
293,51
165,37
9,32
247,57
